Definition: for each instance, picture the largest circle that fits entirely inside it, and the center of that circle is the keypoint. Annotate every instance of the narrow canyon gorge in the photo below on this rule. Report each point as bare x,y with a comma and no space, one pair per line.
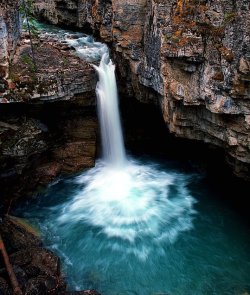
192,61
183,79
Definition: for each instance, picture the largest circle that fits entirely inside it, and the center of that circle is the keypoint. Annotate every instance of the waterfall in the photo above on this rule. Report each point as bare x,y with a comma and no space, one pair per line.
108,112
132,226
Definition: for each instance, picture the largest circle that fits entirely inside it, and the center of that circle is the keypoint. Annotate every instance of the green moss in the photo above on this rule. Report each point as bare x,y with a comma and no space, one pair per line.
27,60
34,78
167,37
230,17
11,76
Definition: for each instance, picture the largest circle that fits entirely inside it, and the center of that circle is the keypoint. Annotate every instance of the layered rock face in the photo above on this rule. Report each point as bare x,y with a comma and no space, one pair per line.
60,76
193,55
10,28
48,127
48,122
39,142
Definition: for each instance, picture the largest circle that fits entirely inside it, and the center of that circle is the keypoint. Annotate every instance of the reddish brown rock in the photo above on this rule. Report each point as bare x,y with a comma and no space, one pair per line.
195,61
39,140
17,235
60,75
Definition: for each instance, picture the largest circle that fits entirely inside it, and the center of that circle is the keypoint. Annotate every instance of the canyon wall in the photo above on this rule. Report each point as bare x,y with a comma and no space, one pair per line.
192,57
10,29
48,122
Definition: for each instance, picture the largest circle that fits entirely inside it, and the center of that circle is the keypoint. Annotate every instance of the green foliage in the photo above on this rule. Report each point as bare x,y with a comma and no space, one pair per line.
27,60
29,24
11,76
230,17
34,78
167,37
65,61
33,28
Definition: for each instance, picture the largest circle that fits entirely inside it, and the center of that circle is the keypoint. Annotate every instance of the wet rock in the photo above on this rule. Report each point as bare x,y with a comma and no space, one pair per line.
40,273
37,269
38,148
20,275
31,270
4,287
39,143
16,236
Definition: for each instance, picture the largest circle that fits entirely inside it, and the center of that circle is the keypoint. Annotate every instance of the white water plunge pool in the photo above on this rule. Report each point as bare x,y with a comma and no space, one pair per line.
139,226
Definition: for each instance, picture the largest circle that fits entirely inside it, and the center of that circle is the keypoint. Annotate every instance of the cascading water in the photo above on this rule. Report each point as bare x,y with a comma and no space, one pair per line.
133,226
111,132
127,200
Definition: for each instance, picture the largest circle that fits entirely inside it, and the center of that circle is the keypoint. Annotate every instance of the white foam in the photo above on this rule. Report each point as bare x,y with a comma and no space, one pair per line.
132,203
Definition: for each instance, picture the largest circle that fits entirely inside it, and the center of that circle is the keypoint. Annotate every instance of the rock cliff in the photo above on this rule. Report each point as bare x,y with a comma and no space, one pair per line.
192,57
10,29
48,122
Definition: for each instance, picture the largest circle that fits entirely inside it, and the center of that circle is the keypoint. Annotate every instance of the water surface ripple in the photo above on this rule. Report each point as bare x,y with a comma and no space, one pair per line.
149,229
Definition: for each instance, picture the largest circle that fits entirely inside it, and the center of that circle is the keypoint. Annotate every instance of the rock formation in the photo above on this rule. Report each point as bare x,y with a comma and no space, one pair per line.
38,270
48,122
193,59
10,29
41,142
